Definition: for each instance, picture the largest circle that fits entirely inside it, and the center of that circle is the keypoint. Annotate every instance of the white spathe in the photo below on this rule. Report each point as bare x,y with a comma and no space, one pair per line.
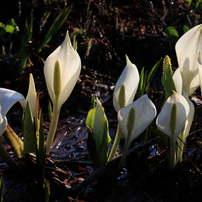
187,50
7,99
70,67
31,95
145,112
163,120
177,79
130,79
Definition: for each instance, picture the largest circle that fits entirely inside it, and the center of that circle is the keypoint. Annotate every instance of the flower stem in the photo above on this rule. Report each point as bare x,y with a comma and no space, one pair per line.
115,145
172,152
125,152
180,148
53,126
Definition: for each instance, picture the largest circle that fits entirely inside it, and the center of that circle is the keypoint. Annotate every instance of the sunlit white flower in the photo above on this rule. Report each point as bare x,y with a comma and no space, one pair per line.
61,70
68,70
126,86
187,50
172,117
144,113
7,99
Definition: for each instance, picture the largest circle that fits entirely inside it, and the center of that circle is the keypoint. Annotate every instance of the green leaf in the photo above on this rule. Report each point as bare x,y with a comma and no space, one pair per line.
151,74
142,83
90,118
56,25
27,36
28,129
167,79
172,34
98,135
198,3
2,25
185,28
9,29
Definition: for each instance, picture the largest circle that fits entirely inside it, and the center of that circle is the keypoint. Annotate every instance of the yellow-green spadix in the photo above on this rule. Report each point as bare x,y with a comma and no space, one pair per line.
136,117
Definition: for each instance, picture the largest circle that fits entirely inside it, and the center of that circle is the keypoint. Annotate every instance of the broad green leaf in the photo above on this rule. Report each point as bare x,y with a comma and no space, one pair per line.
28,130
9,29
103,150
90,118
56,25
172,34
98,139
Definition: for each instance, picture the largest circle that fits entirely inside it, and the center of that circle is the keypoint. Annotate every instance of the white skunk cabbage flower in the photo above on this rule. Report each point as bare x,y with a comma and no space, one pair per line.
7,99
31,96
172,120
136,117
187,50
126,86
177,78
61,70
172,117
